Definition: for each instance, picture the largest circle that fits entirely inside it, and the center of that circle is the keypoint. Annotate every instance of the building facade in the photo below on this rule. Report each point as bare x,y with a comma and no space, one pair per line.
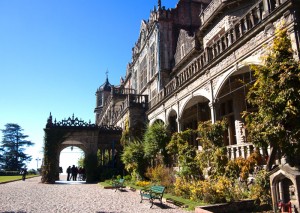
192,63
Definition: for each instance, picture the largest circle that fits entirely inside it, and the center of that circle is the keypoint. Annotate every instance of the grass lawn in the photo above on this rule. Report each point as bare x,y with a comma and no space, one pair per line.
4,179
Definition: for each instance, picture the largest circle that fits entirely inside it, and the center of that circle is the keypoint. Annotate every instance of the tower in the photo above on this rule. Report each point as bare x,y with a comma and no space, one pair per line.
102,94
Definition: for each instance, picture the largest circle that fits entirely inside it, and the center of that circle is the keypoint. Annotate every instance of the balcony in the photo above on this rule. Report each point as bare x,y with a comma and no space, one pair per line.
245,27
212,8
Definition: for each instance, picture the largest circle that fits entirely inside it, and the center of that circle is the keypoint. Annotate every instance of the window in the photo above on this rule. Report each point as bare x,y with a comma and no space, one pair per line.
143,73
152,60
153,93
134,81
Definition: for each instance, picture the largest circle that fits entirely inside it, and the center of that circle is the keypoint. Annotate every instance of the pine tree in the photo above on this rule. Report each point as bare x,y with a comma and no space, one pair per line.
12,146
276,93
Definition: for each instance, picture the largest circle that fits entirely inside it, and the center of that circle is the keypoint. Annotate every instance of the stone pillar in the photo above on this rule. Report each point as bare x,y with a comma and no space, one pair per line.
267,5
212,112
178,125
238,103
178,119
233,153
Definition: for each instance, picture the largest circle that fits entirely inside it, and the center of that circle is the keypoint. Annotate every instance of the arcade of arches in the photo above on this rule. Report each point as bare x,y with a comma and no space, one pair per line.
230,102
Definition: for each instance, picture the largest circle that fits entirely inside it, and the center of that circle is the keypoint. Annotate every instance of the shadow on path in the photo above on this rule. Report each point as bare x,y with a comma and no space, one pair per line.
69,182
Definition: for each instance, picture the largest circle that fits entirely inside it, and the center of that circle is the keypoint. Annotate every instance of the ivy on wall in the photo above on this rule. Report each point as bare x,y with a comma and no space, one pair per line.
52,140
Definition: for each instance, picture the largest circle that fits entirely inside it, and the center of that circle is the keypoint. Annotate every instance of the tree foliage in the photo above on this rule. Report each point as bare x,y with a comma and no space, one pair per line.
211,137
276,92
185,154
133,159
125,138
13,147
156,138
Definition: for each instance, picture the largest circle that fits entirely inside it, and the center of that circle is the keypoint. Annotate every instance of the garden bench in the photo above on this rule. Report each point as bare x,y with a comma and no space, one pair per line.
118,183
152,193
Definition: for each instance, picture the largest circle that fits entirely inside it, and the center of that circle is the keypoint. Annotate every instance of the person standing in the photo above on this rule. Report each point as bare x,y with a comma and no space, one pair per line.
24,173
68,172
74,171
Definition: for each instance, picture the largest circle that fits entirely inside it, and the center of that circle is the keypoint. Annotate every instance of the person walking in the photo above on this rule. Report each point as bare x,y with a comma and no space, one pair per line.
68,172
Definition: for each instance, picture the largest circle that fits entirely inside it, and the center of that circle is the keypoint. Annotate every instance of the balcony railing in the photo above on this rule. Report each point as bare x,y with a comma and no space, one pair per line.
243,150
112,115
241,28
123,91
210,9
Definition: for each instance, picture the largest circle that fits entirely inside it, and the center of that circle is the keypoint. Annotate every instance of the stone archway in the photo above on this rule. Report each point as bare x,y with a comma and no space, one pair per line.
230,103
89,137
70,155
285,188
194,111
172,121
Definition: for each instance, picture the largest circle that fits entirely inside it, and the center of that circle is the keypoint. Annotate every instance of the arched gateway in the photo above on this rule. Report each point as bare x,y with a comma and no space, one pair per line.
88,137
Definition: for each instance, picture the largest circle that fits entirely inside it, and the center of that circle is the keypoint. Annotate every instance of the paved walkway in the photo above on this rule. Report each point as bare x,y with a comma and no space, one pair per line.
33,196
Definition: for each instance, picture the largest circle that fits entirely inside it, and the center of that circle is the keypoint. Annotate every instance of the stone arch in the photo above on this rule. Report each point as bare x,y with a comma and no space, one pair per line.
281,188
72,153
192,101
172,119
194,110
240,66
158,119
230,102
74,132
285,188
68,143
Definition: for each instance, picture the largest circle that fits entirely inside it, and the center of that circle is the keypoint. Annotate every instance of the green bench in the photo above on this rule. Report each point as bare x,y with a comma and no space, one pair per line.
152,193
118,183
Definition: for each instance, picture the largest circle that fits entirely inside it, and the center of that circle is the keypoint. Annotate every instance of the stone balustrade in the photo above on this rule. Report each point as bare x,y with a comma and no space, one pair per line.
243,150
106,111
210,9
129,101
242,27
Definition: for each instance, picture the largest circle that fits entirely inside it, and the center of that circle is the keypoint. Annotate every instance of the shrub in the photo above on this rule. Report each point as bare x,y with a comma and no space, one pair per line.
182,188
197,190
143,183
9,173
260,190
127,177
161,175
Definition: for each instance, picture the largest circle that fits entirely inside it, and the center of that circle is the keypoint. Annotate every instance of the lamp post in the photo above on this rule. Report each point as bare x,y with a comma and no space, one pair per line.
37,163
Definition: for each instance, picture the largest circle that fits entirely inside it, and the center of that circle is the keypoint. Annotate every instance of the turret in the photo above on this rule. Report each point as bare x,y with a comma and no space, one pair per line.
102,94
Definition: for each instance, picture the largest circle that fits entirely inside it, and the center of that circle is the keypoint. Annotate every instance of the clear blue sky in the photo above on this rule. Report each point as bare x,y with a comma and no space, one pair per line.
54,55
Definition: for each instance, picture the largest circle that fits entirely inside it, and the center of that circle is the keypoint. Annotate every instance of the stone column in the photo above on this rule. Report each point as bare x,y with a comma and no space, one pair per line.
238,103
178,125
212,112
178,119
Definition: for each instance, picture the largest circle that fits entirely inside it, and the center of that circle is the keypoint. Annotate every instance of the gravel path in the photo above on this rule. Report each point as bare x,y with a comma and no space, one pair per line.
33,196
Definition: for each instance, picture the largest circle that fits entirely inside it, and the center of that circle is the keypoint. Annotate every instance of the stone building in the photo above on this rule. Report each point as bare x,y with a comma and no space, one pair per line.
192,63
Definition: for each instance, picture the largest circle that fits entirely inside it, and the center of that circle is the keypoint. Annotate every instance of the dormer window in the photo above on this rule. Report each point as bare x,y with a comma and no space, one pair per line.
182,51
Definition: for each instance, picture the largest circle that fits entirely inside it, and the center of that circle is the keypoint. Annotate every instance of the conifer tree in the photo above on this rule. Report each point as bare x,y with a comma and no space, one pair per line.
12,146
276,93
